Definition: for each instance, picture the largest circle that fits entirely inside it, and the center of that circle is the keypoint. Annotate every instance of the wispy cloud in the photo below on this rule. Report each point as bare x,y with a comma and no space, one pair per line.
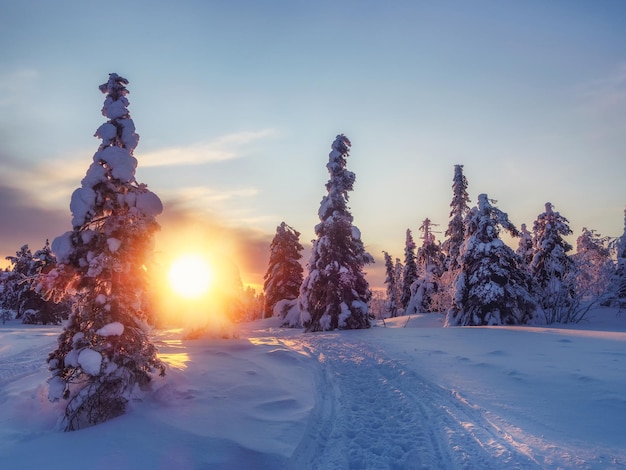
25,221
226,147
50,188
204,196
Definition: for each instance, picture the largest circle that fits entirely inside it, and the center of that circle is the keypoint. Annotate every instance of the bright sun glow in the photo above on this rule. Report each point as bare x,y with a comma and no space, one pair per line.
190,276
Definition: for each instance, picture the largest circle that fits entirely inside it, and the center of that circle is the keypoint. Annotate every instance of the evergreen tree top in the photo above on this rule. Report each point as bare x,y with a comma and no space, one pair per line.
549,228
485,220
460,198
409,245
341,180
115,86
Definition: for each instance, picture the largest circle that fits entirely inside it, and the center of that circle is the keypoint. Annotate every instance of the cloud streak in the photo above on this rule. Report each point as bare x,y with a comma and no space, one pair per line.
24,221
226,147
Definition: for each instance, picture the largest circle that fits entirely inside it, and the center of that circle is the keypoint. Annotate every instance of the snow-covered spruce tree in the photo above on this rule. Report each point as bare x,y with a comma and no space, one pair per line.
335,294
455,232
104,353
619,281
20,290
525,247
409,275
15,282
391,302
430,262
284,272
551,266
399,276
594,267
492,288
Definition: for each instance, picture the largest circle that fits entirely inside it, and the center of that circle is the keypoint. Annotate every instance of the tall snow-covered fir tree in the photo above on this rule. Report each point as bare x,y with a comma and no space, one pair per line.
409,275
492,288
459,208
284,272
455,234
335,294
551,266
104,353
391,302
430,265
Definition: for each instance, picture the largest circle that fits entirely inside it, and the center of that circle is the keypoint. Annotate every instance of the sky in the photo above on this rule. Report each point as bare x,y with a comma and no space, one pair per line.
237,103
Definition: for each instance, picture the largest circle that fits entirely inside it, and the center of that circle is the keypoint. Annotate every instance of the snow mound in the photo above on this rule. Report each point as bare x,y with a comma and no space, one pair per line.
112,329
90,361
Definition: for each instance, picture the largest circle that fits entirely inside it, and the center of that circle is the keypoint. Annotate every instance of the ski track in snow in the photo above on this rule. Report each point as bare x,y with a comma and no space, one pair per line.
24,363
377,414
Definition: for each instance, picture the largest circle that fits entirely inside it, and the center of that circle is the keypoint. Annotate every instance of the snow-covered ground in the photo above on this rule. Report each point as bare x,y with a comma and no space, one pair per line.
410,395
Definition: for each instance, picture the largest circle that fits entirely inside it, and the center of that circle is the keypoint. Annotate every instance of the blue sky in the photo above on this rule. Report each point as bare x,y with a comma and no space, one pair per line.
237,103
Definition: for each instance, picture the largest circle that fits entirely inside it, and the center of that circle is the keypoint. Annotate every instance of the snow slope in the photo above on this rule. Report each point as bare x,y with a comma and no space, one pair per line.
385,398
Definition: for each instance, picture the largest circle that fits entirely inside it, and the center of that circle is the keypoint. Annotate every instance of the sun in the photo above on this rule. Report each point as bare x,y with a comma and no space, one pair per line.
190,276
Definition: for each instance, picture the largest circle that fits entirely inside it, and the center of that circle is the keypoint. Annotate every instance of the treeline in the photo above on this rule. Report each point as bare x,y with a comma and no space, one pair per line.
472,276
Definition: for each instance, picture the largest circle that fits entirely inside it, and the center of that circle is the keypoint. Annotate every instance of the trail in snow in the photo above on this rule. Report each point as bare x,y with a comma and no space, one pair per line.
25,362
374,413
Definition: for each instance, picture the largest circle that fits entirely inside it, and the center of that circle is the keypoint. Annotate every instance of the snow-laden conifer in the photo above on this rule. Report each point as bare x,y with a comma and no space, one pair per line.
20,288
594,267
104,352
619,283
429,261
391,301
551,266
525,247
15,285
492,288
455,234
409,275
335,293
284,272
459,208
399,276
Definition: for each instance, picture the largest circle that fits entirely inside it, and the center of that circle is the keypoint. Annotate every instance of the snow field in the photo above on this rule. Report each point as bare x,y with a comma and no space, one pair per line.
411,395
